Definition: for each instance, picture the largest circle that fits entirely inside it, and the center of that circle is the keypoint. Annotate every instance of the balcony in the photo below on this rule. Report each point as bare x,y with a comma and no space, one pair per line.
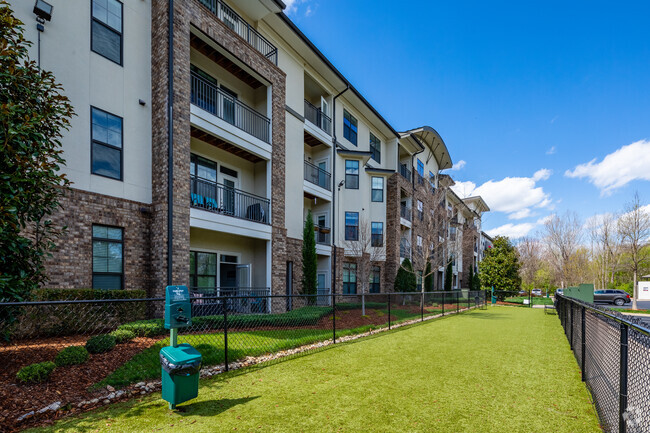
238,25
405,172
405,212
404,248
318,176
316,116
322,235
217,198
212,99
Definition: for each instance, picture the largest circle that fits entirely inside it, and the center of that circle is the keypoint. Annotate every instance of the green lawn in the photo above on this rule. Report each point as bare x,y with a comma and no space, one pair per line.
500,370
629,310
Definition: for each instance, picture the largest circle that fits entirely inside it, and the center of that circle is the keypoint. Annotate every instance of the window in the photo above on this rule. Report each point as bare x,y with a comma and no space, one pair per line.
377,189
108,259
349,127
420,168
432,180
420,210
375,278
351,174
352,226
375,148
419,239
203,270
377,234
349,278
106,37
106,145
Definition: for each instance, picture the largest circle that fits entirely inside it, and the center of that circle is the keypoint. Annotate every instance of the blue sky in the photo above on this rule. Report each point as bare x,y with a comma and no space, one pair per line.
547,104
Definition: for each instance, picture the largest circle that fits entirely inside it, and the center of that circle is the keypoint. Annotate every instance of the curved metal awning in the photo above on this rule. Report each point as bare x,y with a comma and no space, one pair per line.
434,141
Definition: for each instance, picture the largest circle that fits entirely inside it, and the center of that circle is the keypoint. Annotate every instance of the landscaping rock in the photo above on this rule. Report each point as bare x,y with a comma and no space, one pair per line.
53,407
26,416
110,388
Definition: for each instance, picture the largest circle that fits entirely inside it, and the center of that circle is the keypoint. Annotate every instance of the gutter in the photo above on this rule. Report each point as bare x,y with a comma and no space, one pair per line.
170,140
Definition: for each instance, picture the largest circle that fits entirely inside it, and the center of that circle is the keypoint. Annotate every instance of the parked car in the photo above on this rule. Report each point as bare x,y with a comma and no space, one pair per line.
617,297
537,292
523,293
559,292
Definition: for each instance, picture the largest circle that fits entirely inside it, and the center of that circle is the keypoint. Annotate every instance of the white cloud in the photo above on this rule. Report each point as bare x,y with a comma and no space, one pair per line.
554,119
293,5
551,151
459,165
630,162
515,231
514,196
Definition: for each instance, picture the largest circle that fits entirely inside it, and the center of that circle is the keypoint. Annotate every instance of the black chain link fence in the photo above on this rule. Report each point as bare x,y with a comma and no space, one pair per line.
613,351
229,331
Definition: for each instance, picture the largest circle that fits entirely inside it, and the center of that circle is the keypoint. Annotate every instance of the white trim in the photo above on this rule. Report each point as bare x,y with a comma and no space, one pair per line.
317,191
227,224
318,133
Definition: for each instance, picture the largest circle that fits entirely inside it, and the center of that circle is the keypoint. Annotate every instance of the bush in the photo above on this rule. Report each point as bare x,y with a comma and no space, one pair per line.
100,343
145,328
72,355
36,373
122,335
405,279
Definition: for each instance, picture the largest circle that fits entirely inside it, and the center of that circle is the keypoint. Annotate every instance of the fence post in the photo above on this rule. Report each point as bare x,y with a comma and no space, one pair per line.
468,305
584,338
622,401
457,301
389,311
422,308
443,303
225,331
571,329
333,317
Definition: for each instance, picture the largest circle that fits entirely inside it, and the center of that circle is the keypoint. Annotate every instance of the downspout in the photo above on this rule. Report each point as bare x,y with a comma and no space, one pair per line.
170,140
334,187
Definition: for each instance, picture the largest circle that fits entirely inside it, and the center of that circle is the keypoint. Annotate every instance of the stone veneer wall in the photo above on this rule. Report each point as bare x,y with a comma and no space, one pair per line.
187,13
70,265
294,254
396,183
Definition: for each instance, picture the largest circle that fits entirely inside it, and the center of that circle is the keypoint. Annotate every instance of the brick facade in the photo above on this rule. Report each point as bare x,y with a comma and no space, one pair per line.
70,265
294,254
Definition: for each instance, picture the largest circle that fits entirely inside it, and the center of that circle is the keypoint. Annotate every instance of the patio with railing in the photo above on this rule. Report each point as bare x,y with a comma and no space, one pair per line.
404,248
316,116
318,176
405,172
214,100
238,25
405,212
218,198
322,235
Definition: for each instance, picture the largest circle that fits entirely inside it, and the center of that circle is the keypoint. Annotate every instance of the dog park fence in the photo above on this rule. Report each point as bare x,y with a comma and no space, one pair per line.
228,327
613,352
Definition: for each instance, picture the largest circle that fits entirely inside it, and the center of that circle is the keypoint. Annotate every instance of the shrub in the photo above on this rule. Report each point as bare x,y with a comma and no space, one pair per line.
145,328
72,355
100,343
36,373
405,279
122,335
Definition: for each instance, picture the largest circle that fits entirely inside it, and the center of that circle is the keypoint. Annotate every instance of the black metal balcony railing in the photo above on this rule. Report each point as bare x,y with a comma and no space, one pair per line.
419,178
318,176
405,172
405,212
238,25
210,98
322,235
316,116
404,248
222,199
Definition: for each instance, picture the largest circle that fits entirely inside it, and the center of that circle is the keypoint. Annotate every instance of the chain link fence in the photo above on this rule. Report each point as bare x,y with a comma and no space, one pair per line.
613,351
229,331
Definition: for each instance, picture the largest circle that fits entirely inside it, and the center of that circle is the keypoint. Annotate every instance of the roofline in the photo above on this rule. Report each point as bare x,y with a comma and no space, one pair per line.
478,197
437,134
280,4
488,236
329,64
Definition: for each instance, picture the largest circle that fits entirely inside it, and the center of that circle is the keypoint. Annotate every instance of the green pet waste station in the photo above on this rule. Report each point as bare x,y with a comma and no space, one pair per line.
180,363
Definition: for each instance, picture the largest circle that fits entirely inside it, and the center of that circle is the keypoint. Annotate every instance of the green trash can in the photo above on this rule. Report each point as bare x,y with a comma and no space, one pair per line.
180,373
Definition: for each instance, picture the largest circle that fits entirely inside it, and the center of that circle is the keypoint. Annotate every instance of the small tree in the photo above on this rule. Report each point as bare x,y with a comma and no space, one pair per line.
634,229
405,279
428,279
448,276
476,282
309,258
471,277
500,267
365,252
34,114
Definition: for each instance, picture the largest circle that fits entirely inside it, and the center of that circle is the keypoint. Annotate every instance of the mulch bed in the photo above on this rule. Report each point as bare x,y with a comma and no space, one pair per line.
66,384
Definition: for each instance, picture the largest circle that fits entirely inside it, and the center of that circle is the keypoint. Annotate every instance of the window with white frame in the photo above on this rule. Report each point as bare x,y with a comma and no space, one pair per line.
377,194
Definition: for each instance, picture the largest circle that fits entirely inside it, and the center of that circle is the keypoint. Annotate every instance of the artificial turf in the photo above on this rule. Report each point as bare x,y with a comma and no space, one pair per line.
501,370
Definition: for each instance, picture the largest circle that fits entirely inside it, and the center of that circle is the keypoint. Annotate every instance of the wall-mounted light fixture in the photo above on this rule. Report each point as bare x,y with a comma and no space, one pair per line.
43,10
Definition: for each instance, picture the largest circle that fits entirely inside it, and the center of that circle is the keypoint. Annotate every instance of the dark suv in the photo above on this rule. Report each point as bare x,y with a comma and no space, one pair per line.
618,297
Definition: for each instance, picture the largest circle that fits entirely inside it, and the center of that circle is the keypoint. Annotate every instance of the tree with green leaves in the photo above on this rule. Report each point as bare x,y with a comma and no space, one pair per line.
428,279
500,266
33,116
405,279
309,258
448,276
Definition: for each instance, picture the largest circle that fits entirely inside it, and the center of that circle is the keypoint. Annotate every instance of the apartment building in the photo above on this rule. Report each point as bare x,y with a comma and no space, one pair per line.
205,132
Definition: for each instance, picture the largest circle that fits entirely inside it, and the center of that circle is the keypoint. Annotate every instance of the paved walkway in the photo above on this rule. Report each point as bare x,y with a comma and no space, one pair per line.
506,369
